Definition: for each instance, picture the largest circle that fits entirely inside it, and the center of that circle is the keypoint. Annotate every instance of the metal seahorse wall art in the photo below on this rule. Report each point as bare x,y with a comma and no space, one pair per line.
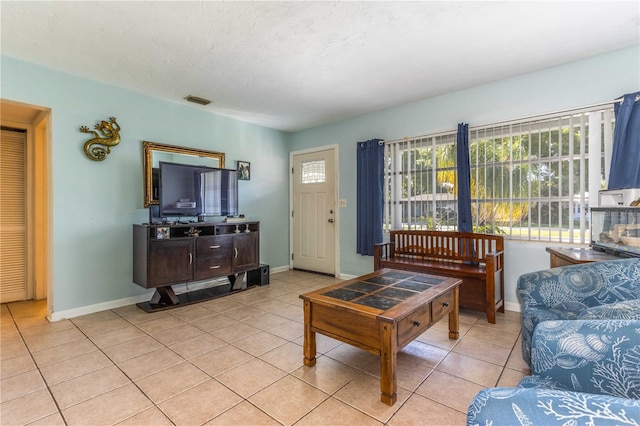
106,135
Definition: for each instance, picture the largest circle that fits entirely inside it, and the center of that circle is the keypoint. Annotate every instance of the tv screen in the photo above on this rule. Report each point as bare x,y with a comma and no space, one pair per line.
188,190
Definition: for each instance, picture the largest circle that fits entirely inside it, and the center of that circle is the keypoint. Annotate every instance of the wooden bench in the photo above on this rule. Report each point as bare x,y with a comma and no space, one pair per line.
478,259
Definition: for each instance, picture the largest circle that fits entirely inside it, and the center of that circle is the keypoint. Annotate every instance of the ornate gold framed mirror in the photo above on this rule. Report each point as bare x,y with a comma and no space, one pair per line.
153,153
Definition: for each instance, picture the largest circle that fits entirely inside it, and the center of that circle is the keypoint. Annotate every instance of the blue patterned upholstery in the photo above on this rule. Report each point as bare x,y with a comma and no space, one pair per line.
585,372
575,292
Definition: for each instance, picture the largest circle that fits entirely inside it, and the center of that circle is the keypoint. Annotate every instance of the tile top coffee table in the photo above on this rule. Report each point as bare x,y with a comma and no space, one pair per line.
380,312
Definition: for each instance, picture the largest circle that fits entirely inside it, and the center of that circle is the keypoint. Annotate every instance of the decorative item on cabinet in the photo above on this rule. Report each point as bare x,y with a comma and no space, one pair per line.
108,136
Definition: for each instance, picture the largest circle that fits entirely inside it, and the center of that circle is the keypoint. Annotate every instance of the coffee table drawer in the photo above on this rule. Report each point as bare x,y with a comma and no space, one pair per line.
441,306
414,324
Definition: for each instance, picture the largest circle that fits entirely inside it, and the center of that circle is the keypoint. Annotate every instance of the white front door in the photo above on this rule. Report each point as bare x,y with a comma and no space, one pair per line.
314,211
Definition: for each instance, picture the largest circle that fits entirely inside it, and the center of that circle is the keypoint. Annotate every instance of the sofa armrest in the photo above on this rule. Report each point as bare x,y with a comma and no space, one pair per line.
535,406
595,356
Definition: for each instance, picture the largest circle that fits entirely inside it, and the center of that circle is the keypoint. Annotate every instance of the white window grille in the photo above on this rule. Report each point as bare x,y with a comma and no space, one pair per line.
313,172
530,178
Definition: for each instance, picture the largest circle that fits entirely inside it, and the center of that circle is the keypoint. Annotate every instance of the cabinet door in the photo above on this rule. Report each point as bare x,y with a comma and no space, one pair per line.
246,252
170,262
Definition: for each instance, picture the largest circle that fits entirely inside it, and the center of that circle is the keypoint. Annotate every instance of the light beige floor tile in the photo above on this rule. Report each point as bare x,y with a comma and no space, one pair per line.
132,348
177,334
200,404
196,346
243,313
328,375
74,367
20,385
95,327
149,417
28,408
259,343
510,378
234,332
493,335
290,330
438,338
160,324
12,350
168,383
109,408
419,410
116,337
288,400
87,386
220,360
422,353
40,342
287,357
243,414
150,363
363,393
409,375
191,313
289,311
265,320
54,419
483,350
250,377
335,412
474,370
515,361
63,352
48,328
222,305
213,322
138,316
271,305
16,365
448,390
355,357
97,317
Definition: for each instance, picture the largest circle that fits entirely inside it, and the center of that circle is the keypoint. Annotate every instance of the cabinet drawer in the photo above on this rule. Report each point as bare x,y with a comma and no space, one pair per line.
212,267
213,247
442,306
414,324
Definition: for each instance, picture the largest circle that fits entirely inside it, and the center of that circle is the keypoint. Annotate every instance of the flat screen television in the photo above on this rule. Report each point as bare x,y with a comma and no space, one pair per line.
188,190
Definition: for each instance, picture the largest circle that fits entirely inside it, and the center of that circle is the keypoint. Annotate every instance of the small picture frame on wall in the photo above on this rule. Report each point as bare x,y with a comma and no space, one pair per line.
244,170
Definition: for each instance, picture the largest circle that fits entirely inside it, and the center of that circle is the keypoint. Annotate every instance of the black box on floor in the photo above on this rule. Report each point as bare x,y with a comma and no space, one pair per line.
258,276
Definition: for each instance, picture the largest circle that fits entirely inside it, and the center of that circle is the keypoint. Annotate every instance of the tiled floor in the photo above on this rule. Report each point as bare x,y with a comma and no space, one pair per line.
237,360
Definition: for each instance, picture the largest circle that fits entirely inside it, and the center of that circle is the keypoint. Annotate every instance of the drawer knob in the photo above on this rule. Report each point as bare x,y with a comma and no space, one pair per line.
416,323
445,304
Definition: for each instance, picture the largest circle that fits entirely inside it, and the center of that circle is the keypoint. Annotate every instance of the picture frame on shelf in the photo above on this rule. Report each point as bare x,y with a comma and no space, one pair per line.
244,170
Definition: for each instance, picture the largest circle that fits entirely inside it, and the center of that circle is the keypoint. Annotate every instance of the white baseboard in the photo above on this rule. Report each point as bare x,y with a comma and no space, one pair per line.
512,306
92,309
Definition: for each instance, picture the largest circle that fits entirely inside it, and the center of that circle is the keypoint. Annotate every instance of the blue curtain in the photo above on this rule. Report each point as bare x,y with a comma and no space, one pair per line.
465,223
370,178
625,158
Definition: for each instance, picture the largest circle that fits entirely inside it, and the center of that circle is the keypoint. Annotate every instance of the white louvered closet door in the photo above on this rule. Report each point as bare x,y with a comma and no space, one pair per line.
13,221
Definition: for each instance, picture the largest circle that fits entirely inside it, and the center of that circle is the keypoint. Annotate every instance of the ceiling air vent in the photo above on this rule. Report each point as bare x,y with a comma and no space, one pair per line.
198,100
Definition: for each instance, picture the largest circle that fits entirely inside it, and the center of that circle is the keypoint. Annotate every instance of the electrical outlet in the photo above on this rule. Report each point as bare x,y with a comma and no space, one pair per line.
342,202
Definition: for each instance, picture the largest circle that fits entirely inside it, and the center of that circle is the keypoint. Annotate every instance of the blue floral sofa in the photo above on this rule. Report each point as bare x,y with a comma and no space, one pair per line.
599,290
585,372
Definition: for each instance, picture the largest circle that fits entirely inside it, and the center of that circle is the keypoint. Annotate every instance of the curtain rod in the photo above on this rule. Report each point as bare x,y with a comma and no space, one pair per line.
504,123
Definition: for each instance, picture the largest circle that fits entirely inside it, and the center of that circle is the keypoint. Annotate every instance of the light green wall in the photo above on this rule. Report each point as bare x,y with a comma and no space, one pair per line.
96,203
594,80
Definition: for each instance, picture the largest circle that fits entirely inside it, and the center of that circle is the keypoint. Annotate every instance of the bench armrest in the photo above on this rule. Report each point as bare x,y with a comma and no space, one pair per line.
382,251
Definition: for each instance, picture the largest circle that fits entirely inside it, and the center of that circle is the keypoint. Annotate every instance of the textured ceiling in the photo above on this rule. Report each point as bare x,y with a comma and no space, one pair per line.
295,65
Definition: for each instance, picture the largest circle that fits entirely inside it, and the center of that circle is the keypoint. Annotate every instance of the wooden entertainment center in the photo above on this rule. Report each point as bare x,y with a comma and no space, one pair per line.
168,254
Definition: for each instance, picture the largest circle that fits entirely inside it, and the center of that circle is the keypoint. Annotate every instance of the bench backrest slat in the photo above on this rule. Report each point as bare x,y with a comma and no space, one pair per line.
446,246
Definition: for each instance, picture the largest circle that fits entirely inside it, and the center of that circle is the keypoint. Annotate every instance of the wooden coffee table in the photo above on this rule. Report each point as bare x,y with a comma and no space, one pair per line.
381,313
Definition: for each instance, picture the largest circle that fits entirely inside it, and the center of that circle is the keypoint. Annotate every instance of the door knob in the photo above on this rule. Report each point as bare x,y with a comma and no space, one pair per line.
331,220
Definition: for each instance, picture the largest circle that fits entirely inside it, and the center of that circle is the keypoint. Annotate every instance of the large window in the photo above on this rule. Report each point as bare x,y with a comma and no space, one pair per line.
531,179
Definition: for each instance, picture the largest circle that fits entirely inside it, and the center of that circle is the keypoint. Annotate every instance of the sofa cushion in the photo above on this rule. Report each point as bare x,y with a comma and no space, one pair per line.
628,309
